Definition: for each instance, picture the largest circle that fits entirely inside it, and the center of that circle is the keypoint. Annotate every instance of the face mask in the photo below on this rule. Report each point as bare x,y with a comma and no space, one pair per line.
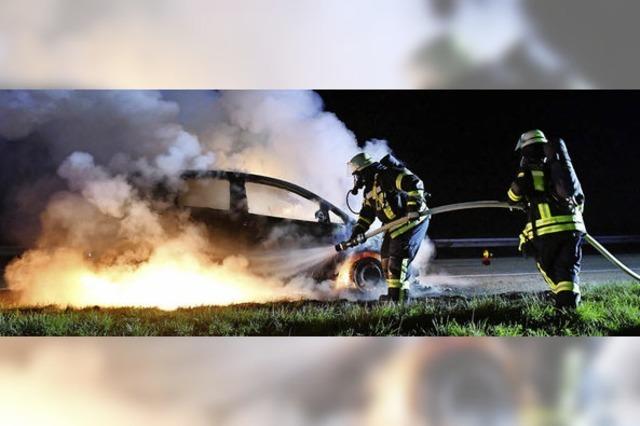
358,182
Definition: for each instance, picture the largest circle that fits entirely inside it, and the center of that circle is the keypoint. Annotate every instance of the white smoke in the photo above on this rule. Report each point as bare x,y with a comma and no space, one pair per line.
281,134
285,134
125,131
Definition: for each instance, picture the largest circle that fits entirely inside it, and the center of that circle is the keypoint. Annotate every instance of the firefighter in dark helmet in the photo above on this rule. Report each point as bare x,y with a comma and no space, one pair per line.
548,186
391,191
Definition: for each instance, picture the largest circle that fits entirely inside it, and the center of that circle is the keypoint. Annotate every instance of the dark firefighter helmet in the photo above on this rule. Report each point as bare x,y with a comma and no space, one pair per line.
359,162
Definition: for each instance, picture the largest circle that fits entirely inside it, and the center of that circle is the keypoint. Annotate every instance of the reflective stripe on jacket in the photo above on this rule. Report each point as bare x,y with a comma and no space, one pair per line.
547,215
393,193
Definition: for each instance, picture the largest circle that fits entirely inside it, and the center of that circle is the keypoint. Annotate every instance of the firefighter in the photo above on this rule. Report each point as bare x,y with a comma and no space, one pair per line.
547,185
391,191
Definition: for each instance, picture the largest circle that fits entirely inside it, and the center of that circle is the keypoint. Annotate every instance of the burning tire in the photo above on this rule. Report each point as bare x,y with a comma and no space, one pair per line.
362,271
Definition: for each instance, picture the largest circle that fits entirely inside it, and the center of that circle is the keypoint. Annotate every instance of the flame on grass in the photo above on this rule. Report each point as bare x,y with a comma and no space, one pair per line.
173,276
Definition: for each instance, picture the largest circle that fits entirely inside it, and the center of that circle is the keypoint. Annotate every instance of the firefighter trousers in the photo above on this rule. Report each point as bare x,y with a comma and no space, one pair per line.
558,258
398,253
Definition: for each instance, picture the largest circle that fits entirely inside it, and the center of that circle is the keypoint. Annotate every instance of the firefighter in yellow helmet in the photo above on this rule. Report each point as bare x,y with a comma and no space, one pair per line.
548,186
391,191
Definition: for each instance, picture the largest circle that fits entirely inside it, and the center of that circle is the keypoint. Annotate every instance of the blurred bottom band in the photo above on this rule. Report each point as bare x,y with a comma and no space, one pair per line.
319,381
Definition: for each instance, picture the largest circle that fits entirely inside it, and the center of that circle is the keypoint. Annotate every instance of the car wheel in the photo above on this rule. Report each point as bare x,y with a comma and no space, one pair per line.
366,273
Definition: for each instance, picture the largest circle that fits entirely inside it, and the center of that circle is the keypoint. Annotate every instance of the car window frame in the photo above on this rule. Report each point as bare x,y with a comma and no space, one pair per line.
238,194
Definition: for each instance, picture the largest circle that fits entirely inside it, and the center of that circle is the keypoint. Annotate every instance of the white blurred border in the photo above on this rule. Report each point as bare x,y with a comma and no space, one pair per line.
232,44
320,381
321,44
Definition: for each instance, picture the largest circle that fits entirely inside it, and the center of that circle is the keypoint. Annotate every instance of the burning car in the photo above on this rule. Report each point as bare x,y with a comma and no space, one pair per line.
267,219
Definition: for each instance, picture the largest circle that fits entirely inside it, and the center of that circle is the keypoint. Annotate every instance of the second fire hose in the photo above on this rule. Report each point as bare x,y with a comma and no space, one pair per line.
479,205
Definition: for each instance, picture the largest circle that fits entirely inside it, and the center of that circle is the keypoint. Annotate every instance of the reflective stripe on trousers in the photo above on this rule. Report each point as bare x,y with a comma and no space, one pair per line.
560,286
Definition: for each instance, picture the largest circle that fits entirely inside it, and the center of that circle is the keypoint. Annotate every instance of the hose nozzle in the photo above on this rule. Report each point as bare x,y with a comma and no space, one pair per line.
355,241
343,246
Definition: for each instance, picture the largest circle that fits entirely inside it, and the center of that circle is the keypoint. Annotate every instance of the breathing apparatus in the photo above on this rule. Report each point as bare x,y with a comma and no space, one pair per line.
358,183
358,163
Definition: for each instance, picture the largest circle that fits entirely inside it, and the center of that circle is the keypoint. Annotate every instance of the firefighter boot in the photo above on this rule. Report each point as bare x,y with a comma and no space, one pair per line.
567,300
395,294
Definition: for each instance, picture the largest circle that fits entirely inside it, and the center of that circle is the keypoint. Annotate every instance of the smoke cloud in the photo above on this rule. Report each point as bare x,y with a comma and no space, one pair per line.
106,241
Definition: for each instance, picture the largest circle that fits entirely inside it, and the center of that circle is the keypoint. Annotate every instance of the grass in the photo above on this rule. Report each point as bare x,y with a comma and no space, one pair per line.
610,309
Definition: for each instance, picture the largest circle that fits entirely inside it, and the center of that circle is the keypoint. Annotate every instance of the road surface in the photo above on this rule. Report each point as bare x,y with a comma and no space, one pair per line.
509,274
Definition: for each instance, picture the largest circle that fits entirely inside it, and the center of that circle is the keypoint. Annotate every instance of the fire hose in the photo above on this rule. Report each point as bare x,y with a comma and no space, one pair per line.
478,205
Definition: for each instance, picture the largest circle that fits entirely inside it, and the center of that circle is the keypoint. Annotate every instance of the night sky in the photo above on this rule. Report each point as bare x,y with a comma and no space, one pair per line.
461,144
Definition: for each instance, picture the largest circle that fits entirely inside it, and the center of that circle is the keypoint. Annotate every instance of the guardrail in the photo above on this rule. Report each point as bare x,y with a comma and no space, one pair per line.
10,251
513,242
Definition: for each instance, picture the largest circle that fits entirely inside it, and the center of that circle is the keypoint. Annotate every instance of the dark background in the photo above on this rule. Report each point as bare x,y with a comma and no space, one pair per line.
461,143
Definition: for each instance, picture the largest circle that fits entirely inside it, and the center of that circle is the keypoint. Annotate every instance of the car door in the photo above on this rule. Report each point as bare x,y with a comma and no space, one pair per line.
217,201
278,217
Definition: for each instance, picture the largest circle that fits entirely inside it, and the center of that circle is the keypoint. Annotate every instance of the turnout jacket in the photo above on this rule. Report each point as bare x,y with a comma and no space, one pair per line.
548,212
394,193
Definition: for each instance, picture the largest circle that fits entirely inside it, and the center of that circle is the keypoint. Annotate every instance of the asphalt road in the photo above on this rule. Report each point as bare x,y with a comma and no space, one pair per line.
511,274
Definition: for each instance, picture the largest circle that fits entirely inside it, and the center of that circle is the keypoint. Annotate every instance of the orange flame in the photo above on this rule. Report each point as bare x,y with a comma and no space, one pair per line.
169,279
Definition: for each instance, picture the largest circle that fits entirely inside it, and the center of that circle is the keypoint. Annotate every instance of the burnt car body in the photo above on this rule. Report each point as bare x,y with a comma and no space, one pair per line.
250,214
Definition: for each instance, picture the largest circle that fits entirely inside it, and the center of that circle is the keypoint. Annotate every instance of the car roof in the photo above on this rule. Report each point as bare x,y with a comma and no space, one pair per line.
253,178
